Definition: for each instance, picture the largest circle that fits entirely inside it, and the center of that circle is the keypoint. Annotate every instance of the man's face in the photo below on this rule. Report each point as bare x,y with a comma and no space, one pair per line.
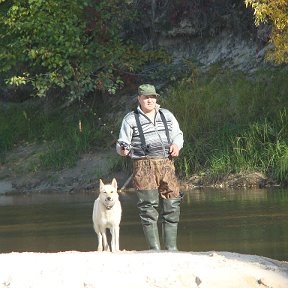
147,103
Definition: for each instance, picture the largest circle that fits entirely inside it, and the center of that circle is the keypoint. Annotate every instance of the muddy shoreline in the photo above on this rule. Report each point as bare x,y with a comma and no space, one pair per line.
72,185
18,175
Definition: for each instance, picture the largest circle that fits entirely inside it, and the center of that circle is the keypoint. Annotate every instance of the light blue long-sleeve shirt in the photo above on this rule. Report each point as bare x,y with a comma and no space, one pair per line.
155,135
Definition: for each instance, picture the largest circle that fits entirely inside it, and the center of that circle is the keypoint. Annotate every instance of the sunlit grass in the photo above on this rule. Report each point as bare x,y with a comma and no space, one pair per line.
232,123
58,130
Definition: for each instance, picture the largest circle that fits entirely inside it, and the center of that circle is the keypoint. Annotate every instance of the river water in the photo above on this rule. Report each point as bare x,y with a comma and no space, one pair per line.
242,221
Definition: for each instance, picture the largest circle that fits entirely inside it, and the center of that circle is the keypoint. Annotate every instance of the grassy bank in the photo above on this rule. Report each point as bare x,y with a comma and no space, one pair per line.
232,123
56,129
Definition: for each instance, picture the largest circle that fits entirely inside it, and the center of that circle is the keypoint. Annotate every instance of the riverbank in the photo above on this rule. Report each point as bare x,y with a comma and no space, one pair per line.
19,175
141,269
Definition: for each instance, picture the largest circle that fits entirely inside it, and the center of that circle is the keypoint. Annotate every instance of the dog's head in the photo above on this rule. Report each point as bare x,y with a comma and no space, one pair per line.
108,193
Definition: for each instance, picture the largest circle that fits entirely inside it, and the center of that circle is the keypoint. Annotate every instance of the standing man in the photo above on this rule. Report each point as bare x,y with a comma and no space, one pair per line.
151,136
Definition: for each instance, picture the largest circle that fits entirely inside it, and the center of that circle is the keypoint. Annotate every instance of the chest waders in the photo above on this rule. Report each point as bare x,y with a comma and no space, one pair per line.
149,202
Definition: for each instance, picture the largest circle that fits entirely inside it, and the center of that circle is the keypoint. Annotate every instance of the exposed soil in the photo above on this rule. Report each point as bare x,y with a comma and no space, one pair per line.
19,174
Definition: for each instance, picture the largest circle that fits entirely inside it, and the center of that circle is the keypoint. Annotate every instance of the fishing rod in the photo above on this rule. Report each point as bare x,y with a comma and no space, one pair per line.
122,144
101,124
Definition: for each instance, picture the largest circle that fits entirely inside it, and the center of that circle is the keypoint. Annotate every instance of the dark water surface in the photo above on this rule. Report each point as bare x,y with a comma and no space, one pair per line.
243,221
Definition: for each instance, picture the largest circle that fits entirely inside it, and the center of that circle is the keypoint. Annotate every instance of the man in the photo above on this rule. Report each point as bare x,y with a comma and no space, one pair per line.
151,136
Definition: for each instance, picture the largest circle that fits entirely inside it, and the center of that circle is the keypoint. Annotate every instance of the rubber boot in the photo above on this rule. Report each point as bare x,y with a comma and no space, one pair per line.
147,205
170,215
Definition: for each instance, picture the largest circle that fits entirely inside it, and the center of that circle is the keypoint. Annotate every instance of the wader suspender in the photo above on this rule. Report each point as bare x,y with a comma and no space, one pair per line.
141,134
165,125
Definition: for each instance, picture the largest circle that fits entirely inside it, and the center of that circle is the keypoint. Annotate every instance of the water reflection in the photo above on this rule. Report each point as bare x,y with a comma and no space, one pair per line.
244,221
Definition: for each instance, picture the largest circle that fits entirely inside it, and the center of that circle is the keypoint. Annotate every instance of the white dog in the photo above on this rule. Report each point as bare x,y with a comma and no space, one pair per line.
107,215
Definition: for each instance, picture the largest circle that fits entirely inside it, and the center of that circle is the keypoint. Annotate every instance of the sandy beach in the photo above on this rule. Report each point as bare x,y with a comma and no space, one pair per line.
141,269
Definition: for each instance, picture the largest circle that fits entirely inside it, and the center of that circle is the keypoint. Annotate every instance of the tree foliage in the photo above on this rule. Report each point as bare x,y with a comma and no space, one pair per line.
276,13
74,45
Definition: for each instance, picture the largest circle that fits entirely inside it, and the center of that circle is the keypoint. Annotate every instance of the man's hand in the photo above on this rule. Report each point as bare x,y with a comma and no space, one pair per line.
174,150
124,152
124,148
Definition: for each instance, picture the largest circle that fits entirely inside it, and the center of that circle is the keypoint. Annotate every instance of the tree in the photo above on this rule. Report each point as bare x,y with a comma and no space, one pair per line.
74,45
274,12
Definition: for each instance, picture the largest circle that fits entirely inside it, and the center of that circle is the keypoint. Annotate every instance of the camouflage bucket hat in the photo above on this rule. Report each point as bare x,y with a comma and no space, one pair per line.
147,89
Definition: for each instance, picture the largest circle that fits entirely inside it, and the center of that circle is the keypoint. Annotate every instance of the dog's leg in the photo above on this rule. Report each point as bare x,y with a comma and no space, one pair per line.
112,231
115,238
100,246
99,236
105,242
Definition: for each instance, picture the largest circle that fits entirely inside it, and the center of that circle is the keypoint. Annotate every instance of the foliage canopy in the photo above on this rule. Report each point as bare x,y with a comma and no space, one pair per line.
276,13
74,45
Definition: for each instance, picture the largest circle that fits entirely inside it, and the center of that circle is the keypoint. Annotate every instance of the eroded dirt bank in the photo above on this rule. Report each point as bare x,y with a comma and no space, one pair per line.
19,174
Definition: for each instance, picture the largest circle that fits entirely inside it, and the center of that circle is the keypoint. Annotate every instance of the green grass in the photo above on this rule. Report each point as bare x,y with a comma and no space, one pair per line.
232,123
56,129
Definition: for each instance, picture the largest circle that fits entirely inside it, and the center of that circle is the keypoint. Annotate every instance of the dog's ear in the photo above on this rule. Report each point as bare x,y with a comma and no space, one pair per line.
114,183
101,184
